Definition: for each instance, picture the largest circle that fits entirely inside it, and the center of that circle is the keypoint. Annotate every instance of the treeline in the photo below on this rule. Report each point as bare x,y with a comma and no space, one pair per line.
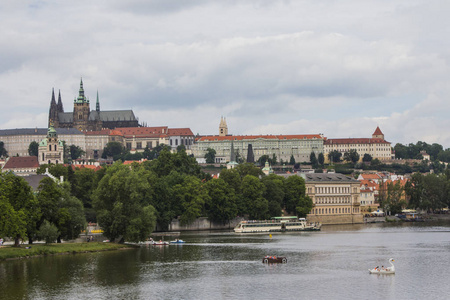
430,192
412,151
129,200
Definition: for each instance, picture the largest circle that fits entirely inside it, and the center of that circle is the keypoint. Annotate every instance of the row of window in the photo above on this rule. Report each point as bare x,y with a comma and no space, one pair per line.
328,211
332,200
332,190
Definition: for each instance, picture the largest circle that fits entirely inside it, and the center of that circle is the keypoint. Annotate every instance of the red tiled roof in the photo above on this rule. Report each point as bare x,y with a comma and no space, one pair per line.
98,132
255,137
17,162
143,131
180,131
378,131
116,132
355,141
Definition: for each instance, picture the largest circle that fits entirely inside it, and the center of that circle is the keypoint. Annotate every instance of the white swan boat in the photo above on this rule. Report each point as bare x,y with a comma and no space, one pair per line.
383,270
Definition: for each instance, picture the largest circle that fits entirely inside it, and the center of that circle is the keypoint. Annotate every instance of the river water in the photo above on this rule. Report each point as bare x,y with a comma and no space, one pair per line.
330,264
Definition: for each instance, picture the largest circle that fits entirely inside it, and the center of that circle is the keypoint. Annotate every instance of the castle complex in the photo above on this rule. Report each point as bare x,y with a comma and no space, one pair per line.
83,119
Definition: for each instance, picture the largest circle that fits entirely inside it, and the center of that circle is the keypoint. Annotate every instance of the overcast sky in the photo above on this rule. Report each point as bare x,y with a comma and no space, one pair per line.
270,67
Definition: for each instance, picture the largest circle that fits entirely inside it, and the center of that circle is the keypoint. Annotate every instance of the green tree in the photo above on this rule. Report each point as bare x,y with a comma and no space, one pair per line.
210,156
181,148
296,200
313,160
221,203
192,196
262,159
321,159
19,210
71,218
122,203
3,152
367,157
274,193
33,149
257,207
351,156
115,150
48,232
292,160
76,152
249,169
334,156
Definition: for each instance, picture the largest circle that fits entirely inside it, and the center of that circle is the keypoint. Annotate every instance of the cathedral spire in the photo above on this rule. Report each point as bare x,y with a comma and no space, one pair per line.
60,105
97,105
53,112
53,102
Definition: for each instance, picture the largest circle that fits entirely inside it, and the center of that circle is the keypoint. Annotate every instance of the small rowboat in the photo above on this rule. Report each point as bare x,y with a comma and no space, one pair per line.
274,260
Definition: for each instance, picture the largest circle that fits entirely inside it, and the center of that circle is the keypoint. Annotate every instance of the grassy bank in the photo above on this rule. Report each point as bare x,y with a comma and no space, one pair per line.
9,252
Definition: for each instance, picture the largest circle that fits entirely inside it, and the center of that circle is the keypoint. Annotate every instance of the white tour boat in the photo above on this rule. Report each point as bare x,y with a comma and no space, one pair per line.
276,224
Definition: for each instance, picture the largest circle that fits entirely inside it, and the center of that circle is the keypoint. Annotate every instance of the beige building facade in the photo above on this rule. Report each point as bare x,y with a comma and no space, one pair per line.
377,146
283,146
336,198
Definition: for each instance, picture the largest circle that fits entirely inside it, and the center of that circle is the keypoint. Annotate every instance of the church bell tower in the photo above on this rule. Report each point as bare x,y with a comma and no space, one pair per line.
81,110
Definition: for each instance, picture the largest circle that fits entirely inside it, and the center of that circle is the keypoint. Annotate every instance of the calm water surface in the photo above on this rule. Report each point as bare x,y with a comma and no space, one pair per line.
331,264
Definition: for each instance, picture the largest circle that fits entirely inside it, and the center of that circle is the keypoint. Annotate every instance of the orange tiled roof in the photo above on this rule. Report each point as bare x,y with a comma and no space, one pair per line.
18,162
355,141
255,137
91,167
371,176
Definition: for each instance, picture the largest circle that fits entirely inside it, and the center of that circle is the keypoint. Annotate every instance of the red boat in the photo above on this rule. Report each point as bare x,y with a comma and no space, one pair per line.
274,260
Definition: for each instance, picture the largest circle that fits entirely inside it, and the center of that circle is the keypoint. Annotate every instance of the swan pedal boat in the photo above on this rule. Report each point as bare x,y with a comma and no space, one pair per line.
387,270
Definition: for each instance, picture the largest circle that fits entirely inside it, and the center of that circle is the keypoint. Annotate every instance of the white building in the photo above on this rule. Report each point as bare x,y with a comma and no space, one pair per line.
377,146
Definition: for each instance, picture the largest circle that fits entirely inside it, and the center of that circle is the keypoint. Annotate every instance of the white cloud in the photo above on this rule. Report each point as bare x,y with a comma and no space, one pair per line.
335,67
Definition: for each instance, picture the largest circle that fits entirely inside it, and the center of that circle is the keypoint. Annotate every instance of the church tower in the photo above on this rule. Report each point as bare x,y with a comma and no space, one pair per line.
51,149
81,110
378,134
223,128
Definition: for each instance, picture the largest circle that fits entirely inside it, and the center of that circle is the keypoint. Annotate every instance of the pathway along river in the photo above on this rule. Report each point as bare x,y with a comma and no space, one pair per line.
331,264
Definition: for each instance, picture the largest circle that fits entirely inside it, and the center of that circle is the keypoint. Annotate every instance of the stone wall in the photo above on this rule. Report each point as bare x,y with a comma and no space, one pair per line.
336,219
203,224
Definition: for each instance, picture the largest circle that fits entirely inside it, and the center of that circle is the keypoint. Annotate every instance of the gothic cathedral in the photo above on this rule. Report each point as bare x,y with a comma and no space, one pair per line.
84,119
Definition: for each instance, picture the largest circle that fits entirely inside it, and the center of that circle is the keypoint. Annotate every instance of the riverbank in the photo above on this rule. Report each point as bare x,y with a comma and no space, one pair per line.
27,251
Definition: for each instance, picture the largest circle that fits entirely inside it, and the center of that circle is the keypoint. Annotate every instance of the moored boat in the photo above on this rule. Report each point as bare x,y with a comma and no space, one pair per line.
276,224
